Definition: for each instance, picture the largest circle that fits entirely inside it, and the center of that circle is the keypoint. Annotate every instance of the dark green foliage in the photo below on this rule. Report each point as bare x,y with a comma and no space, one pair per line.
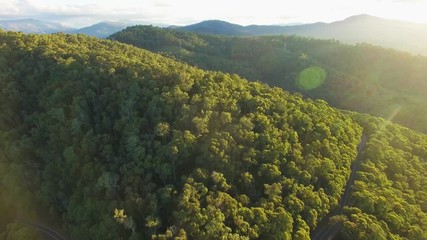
99,127
363,78
121,143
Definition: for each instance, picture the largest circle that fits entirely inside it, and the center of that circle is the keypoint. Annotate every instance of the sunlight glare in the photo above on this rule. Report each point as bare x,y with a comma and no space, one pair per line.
393,114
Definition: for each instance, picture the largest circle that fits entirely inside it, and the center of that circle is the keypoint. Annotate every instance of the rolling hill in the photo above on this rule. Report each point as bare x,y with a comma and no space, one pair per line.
116,142
362,78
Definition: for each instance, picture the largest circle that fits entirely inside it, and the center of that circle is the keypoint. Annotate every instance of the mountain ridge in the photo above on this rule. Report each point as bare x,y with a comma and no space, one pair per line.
31,25
101,29
389,33
397,34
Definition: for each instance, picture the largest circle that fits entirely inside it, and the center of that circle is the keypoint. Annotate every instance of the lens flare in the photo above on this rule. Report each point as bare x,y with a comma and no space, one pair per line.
311,78
395,109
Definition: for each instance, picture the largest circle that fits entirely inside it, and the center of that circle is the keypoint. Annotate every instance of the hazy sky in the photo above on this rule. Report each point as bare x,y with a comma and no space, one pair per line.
79,13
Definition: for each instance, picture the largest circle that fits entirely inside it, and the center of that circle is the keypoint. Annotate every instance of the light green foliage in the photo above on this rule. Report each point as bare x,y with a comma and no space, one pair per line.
363,78
203,154
388,199
98,126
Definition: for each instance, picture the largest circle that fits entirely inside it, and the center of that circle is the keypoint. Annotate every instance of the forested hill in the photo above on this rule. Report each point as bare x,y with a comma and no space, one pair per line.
362,78
103,140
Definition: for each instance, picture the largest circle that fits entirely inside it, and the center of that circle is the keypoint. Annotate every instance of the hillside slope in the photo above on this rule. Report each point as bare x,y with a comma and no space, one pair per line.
362,78
97,126
122,143
388,198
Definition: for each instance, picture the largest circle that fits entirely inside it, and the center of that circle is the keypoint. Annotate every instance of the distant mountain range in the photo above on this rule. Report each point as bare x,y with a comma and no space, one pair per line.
406,36
33,26
100,30
400,35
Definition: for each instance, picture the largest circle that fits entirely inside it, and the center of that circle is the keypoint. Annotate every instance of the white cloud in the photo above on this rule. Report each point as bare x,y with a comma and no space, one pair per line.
85,12
14,8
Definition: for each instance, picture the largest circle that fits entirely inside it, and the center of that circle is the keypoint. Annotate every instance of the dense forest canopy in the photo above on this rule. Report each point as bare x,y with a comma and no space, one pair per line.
390,188
107,141
363,78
